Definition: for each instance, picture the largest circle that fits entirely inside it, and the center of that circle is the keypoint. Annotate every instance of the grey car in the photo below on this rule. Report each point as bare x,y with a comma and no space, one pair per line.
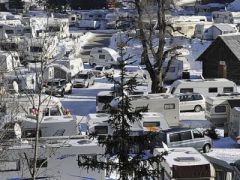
185,137
58,87
83,79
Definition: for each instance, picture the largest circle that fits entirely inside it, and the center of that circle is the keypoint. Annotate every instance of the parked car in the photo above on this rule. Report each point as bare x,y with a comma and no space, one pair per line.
84,79
191,102
58,87
184,137
100,71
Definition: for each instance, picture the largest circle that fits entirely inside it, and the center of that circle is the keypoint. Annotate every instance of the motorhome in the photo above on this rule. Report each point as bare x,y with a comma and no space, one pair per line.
206,87
103,56
217,108
184,163
151,121
57,159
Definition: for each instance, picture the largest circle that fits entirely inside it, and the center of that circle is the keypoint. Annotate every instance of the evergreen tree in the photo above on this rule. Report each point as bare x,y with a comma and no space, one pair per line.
132,160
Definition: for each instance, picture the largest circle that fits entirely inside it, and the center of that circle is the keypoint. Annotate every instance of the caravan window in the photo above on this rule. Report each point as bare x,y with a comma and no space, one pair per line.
186,90
213,90
220,109
9,166
101,129
55,112
227,89
151,124
169,106
36,49
41,163
9,31
101,56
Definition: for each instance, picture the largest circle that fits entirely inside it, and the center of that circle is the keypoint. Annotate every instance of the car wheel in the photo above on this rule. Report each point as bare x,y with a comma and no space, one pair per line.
206,148
198,108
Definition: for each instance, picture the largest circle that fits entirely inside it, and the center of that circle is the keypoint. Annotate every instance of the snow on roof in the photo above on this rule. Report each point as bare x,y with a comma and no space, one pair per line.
112,52
234,6
225,27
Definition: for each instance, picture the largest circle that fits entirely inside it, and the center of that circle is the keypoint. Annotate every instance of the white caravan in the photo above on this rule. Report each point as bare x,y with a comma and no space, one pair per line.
233,119
103,56
58,27
88,24
184,163
57,159
226,17
153,122
217,108
206,87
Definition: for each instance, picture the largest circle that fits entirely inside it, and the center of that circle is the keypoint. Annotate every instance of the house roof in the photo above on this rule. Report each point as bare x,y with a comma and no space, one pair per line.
225,27
234,103
232,41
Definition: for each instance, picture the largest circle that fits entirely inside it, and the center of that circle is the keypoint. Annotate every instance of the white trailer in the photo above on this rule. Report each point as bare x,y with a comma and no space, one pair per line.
57,159
217,109
9,61
153,122
206,87
184,163
103,56
88,24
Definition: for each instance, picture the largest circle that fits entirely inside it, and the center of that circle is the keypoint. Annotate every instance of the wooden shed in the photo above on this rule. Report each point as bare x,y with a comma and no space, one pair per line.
222,58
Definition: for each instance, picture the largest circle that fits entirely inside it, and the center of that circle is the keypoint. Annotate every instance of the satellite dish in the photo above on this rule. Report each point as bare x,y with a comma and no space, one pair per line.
17,130
15,86
165,147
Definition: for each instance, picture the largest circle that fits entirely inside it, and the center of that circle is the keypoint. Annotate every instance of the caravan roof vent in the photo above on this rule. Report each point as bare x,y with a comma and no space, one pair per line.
102,115
187,159
84,141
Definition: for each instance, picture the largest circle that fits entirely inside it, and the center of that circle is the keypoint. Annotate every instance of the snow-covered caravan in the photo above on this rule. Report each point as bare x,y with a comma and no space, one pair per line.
103,56
154,122
176,68
184,163
217,108
58,27
40,48
203,30
9,61
57,159
88,24
26,80
206,87
226,17
74,64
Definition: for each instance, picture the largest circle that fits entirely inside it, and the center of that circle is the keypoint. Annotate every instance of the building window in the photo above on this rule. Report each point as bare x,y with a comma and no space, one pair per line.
220,109
41,163
227,89
212,90
169,106
9,166
186,90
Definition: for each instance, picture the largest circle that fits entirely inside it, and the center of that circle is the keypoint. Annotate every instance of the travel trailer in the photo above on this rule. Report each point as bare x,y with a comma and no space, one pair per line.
153,122
184,163
57,159
206,87
88,24
103,56
166,104
217,108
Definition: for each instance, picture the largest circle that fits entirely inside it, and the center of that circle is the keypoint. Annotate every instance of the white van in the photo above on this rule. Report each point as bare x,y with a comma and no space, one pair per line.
103,56
206,87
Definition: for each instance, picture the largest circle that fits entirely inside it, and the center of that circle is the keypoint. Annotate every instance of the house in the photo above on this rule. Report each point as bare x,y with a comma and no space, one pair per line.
222,58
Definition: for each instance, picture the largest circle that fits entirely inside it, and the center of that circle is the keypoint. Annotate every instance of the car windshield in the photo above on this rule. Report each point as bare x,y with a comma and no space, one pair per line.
99,68
53,83
82,76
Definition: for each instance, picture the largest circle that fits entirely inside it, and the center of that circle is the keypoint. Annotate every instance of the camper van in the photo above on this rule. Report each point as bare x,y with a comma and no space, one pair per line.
57,159
166,104
153,122
217,107
184,163
103,56
206,87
